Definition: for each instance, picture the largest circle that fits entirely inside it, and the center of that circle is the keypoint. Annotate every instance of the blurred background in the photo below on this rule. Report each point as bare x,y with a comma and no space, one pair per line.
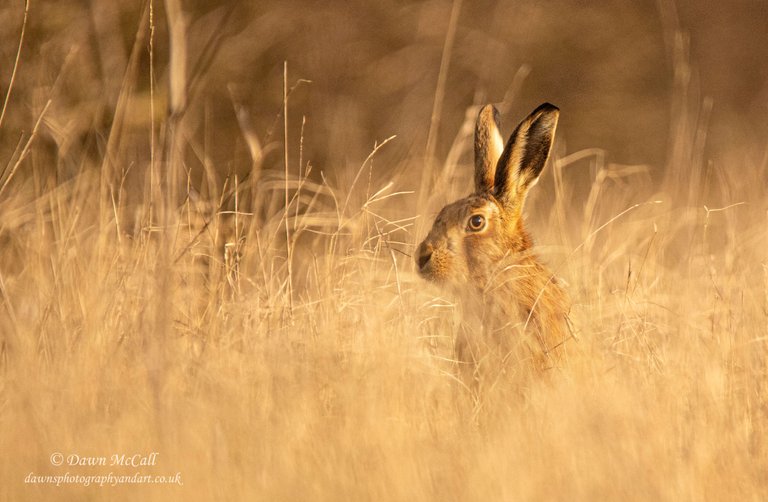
627,75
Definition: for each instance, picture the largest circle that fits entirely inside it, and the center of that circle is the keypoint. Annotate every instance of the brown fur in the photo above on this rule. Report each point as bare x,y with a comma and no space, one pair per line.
515,310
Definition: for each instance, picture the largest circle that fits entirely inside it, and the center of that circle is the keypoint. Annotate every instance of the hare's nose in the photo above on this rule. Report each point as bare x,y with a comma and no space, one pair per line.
425,253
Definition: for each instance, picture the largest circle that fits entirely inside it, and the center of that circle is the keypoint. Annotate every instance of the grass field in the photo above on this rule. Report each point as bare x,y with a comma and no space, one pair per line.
184,275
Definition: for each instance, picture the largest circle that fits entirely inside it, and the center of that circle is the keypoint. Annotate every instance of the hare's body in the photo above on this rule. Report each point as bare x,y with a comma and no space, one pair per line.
478,247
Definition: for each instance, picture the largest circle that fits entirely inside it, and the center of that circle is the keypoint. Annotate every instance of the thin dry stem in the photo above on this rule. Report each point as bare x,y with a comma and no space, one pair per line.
15,63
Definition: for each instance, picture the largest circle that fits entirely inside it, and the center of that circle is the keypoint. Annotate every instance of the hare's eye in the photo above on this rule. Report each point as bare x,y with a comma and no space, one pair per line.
476,222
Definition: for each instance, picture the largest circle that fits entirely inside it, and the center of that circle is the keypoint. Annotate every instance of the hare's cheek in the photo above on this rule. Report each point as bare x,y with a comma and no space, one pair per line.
476,250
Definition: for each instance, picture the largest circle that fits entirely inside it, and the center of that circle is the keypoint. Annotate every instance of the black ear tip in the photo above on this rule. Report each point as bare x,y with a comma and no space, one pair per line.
546,115
546,108
549,107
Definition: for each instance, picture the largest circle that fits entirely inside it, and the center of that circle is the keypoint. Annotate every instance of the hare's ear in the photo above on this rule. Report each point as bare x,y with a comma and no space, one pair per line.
488,147
526,154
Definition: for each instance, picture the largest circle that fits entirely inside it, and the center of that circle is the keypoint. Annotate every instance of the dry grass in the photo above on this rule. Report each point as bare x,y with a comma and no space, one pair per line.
147,303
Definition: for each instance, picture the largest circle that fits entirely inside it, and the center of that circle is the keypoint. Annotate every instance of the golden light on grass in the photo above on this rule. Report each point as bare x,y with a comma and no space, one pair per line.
195,286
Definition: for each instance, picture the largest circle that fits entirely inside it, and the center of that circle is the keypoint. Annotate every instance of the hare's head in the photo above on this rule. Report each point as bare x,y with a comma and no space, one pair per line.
473,234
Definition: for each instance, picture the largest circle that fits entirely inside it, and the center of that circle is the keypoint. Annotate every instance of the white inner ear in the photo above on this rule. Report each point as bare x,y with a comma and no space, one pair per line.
497,146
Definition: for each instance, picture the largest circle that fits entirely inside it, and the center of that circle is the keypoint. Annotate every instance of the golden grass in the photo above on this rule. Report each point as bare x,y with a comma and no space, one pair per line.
182,330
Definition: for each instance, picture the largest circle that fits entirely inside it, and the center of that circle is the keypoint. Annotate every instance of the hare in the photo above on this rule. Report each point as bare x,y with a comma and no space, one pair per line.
479,248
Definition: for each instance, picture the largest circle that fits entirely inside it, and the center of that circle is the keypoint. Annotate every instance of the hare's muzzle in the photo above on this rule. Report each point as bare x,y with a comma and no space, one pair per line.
424,255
